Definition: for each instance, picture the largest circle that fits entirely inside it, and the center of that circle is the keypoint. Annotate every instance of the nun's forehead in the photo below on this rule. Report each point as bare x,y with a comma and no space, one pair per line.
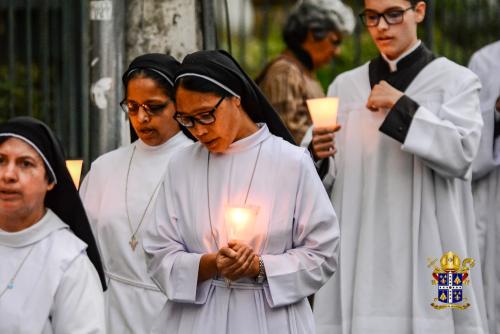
4,137
21,143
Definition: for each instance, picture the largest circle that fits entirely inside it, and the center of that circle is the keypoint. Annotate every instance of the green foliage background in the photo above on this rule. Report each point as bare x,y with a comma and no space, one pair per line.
456,29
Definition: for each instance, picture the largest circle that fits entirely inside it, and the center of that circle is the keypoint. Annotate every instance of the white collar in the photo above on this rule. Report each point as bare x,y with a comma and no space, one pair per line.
393,64
36,232
173,141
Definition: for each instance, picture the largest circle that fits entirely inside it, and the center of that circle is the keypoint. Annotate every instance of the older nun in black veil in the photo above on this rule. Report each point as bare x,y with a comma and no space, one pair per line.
51,279
243,230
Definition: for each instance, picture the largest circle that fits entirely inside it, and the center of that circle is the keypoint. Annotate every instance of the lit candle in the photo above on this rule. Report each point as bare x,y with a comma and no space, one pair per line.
323,110
75,170
240,222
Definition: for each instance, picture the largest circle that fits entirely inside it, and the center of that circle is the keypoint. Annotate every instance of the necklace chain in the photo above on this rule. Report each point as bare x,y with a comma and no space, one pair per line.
133,240
208,190
10,284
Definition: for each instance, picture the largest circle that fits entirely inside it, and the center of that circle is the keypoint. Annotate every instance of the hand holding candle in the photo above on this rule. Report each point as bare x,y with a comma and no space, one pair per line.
324,116
323,111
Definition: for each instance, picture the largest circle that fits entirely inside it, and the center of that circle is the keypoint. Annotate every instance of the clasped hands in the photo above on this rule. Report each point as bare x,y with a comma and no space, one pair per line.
237,260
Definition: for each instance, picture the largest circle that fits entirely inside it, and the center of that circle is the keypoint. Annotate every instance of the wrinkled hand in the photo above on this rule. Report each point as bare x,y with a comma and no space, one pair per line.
383,96
323,141
237,260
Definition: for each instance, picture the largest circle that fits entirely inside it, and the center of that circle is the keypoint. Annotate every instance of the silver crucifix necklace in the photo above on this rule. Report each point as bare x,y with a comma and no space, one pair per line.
133,238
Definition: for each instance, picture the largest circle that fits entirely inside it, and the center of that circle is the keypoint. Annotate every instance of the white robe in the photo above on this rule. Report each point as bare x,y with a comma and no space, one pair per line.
296,233
486,180
132,299
399,205
57,289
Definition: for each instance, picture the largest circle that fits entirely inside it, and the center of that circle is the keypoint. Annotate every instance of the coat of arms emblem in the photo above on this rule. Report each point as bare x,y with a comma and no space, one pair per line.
450,279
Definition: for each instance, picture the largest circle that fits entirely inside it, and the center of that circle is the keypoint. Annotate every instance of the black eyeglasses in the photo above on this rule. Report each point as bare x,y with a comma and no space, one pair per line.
371,18
204,118
152,109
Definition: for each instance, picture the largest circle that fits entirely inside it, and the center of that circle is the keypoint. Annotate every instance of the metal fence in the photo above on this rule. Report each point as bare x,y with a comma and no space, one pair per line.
42,73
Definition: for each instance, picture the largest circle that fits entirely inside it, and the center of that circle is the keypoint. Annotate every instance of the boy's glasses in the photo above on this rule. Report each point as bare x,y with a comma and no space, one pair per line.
371,18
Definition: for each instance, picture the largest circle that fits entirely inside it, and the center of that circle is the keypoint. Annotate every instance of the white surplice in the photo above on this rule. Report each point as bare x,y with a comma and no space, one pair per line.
296,232
56,290
132,299
486,179
401,204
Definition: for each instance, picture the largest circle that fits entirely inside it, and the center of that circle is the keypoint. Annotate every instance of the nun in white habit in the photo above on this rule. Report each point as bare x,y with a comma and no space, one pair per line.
219,280
486,178
49,264
121,186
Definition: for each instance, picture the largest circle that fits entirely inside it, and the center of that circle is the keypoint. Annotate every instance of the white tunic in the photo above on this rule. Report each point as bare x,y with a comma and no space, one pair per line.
296,232
56,290
399,205
132,299
486,184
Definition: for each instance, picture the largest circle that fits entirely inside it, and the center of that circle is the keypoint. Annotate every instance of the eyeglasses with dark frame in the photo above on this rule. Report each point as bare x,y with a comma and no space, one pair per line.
132,108
371,18
204,118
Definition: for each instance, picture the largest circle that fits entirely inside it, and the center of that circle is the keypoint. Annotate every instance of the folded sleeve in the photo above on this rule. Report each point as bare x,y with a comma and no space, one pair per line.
170,265
303,269
447,139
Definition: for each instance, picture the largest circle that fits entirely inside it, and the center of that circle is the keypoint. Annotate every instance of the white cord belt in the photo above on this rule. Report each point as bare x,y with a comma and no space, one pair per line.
132,283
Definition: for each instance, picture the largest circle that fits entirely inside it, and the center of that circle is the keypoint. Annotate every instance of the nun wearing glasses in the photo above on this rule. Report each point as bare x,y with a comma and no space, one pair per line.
49,263
120,189
243,229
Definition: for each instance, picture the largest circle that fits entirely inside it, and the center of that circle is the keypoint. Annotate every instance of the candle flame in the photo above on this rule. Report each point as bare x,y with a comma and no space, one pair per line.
240,222
239,217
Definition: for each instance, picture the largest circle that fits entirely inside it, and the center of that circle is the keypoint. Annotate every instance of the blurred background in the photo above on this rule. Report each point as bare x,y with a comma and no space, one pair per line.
61,60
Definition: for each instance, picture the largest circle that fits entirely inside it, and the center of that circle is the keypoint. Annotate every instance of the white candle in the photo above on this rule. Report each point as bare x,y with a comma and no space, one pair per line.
75,170
240,222
323,110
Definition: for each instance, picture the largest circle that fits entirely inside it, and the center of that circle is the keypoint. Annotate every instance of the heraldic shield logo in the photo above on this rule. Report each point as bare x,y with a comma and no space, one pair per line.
450,279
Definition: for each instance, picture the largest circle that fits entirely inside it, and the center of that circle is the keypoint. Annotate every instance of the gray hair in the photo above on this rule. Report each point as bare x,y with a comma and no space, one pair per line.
336,11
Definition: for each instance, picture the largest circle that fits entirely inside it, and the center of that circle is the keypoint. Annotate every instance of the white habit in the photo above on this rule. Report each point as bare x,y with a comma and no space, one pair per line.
296,232
132,299
486,179
56,290
401,204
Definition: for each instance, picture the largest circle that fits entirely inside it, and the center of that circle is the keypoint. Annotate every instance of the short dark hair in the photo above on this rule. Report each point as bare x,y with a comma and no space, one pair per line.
157,78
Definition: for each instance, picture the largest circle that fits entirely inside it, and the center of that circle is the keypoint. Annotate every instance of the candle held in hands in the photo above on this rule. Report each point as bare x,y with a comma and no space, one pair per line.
240,222
323,111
